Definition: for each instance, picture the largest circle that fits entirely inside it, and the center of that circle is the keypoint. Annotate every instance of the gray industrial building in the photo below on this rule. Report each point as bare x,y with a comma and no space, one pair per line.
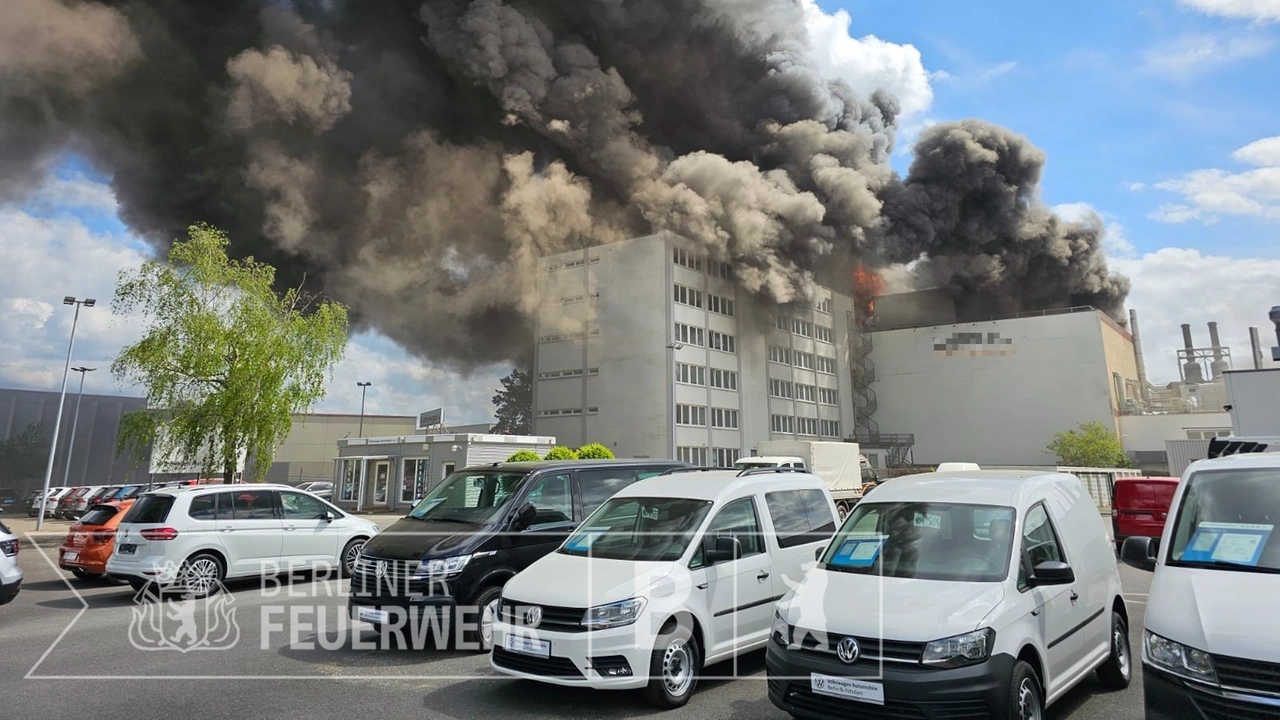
91,452
649,347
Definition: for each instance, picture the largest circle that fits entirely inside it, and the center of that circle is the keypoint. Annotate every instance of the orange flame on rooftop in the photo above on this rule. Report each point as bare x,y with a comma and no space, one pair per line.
867,286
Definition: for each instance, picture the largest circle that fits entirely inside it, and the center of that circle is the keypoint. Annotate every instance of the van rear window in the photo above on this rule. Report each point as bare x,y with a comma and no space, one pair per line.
149,509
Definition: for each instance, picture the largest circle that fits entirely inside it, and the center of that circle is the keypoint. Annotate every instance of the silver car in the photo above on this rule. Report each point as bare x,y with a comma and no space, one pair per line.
10,573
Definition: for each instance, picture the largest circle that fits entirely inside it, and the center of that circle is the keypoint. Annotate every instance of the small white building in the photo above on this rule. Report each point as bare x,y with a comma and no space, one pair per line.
389,474
1254,399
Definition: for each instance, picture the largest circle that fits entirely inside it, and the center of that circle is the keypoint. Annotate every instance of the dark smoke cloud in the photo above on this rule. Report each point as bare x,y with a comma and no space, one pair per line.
414,159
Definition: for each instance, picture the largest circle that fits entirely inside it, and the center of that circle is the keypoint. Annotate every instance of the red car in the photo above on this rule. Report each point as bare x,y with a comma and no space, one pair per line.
1140,507
92,539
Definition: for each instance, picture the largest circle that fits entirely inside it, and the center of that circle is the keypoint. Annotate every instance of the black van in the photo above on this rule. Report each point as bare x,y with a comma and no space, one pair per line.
441,568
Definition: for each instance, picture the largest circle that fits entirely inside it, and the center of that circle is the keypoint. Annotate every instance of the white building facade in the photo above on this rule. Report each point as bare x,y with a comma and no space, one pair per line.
650,348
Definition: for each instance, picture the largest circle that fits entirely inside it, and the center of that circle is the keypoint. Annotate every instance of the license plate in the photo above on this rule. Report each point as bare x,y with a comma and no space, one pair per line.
861,691
71,557
528,646
372,616
126,549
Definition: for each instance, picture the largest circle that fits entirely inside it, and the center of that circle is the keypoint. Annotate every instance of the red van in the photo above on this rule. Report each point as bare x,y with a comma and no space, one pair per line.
1140,506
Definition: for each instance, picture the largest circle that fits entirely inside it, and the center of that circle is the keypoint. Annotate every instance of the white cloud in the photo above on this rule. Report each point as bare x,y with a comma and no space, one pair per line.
1137,186
1198,54
997,70
1115,241
1209,194
47,258
1258,10
868,63
1173,286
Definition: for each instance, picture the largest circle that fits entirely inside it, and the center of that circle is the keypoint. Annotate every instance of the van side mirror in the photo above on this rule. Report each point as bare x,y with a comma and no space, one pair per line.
817,554
524,517
329,516
1052,572
721,549
1140,552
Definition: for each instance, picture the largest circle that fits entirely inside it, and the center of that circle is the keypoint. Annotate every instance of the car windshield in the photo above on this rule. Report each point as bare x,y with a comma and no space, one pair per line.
479,498
1226,520
639,529
926,541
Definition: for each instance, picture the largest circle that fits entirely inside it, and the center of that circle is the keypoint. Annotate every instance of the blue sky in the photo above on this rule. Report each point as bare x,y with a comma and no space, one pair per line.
1155,114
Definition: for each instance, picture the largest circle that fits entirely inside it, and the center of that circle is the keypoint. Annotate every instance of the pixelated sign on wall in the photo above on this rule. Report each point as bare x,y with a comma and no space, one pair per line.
972,344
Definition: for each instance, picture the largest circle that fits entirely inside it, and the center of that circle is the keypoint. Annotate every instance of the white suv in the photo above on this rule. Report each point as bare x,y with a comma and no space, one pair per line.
10,573
669,575
193,538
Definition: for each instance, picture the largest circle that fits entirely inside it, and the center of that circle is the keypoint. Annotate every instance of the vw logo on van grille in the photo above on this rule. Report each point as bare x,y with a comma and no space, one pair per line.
381,568
533,617
847,650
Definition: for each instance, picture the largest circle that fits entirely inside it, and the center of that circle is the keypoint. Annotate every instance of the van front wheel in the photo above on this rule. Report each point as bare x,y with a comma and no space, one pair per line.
1117,672
673,668
1026,701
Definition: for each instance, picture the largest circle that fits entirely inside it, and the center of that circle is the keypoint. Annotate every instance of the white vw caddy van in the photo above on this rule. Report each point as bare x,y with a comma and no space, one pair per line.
669,575
975,594
1211,641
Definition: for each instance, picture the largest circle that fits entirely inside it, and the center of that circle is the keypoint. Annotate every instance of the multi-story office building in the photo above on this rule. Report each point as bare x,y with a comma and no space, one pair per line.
649,347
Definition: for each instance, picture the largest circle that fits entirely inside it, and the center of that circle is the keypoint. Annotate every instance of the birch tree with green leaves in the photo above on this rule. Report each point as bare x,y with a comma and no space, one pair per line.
225,360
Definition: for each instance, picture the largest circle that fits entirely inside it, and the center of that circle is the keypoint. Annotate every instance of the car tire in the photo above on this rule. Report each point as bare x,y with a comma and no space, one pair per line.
1026,697
673,667
200,576
489,600
842,509
347,563
1117,672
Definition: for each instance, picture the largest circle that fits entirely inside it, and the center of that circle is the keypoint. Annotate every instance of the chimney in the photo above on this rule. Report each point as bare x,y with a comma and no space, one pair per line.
1219,365
1191,371
1255,343
1275,318
1137,356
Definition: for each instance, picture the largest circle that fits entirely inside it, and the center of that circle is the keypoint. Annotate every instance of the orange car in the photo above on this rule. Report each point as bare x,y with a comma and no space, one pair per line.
91,539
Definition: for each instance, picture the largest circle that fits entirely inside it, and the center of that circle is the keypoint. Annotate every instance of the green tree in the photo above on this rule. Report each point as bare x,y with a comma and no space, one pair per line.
513,405
524,456
560,452
1092,446
225,360
594,451
24,456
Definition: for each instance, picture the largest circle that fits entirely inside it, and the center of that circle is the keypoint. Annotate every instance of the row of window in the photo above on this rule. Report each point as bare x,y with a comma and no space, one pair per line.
720,457
570,300
571,264
690,335
568,412
792,425
687,259
569,336
696,415
805,393
802,359
692,297
575,372
687,374
804,328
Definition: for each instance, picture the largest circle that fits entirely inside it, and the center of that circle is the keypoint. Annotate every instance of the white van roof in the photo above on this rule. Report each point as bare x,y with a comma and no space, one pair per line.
978,487
714,484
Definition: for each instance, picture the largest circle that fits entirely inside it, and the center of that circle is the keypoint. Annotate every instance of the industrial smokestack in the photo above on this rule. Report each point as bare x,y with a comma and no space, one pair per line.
1219,366
1191,371
1275,318
1137,356
1255,344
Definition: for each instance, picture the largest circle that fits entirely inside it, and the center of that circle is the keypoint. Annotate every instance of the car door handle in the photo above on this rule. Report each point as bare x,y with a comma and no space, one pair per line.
290,527
1074,596
227,529
703,586
762,575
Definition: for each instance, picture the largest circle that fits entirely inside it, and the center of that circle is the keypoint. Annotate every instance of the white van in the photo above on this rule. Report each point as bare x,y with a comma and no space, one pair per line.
1211,641
669,575
965,595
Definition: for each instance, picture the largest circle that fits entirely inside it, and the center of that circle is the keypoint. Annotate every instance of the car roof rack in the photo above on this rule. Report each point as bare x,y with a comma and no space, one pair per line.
766,470
1233,445
707,468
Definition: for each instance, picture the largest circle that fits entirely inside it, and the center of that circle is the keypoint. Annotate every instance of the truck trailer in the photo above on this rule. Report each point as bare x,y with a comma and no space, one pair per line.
841,465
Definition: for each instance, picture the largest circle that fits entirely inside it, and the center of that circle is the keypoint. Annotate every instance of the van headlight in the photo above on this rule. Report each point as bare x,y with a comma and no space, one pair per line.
1179,659
960,650
781,631
442,566
613,615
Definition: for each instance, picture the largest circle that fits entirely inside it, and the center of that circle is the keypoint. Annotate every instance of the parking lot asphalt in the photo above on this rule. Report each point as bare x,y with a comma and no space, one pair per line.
65,652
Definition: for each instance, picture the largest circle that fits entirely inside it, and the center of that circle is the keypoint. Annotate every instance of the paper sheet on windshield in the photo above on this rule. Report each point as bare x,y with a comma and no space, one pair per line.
588,537
859,551
1239,543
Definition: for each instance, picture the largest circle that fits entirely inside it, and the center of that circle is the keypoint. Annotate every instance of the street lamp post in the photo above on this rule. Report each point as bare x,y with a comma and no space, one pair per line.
364,387
57,423
75,421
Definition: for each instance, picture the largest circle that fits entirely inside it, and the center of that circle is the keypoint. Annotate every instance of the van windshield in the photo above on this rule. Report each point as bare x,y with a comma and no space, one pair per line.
927,541
479,498
639,529
1226,521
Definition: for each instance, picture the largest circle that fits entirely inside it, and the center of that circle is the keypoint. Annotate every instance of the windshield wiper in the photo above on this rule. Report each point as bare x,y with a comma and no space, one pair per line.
1224,565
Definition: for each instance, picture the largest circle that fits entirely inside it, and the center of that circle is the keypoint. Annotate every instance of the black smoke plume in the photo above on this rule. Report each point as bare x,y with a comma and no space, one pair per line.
413,159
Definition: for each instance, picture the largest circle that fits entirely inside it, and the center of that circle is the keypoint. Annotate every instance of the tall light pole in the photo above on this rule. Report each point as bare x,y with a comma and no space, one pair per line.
364,387
75,420
57,423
